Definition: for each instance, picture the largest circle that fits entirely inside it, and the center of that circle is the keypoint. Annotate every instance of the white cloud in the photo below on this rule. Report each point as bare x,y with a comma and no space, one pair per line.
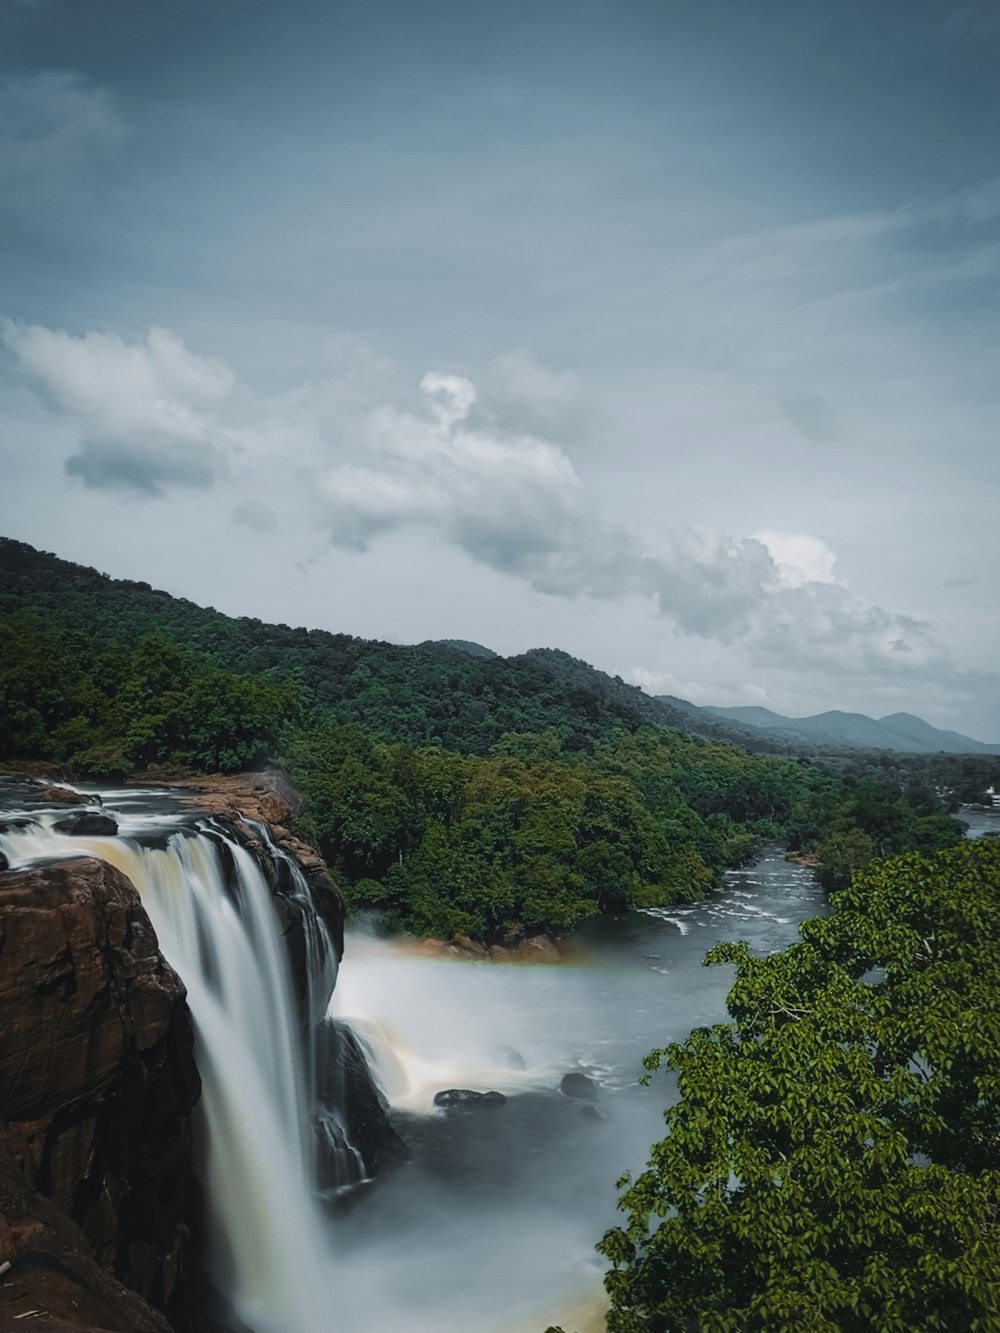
150,412
53,124
516,504
799,558
508,502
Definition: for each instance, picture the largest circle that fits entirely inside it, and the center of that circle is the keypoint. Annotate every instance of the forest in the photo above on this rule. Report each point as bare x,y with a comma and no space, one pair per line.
528,829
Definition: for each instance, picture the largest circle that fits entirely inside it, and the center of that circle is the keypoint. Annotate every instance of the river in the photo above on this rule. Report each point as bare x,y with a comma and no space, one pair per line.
493,1222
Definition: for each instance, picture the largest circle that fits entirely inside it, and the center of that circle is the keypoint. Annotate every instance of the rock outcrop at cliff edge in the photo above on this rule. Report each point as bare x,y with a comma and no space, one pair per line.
97,1082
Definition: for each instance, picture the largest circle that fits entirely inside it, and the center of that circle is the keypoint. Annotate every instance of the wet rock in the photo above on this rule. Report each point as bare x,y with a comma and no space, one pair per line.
344,1079
50,795
469,946
52,1270
3,862
97,1069
88,824
467,1100
579,1086
538,949
498,954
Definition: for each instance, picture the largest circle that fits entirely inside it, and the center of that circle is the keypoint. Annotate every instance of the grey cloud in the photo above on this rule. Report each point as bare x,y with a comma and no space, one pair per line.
151,412
523,397
53,124
516,504
141,470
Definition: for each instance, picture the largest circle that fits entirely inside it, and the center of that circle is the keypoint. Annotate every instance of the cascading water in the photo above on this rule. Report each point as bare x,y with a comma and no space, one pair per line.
214,914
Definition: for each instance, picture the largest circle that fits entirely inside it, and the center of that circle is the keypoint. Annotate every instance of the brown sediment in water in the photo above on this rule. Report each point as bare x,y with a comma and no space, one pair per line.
533,951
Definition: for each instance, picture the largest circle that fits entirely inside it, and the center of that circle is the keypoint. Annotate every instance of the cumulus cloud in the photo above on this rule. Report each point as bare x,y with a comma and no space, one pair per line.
515,503
510,502
799,558
521,395
150,412
53,124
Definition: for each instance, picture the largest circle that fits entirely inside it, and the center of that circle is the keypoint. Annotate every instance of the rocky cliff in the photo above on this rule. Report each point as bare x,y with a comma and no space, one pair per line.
97,1083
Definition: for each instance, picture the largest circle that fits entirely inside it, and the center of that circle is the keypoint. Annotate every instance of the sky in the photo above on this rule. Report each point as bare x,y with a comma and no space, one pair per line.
664,332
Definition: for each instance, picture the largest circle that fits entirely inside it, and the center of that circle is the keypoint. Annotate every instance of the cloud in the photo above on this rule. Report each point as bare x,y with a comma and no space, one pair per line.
521,395
516,504
109,466
150,412
510,502
799,558
155,417
53,124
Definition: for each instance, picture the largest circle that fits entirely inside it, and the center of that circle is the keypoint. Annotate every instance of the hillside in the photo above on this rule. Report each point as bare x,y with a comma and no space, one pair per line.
453,693
452,793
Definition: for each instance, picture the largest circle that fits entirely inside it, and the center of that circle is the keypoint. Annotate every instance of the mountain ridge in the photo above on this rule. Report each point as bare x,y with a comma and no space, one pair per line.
902,732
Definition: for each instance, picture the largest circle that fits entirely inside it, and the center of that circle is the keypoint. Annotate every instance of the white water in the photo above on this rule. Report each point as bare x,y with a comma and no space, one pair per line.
269,1253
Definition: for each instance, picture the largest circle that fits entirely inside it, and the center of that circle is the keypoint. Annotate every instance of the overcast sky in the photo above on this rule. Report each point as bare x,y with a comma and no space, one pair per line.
662,332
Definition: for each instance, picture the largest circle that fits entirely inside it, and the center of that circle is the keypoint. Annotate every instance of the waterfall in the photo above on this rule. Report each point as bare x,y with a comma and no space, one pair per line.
214,914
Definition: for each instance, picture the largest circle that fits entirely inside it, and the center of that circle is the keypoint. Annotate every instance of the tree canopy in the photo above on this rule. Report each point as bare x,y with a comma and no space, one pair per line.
833,1158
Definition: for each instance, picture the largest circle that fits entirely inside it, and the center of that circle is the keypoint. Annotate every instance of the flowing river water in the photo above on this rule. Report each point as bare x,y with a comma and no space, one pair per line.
491,1224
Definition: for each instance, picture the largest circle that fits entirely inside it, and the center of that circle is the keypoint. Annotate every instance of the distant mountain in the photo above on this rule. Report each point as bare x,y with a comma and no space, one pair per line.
901,732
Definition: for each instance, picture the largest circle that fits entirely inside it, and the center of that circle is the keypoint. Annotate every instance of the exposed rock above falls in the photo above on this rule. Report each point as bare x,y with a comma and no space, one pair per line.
98,1080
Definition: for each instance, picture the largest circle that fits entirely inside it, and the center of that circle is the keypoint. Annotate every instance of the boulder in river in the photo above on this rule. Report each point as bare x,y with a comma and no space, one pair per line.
88,824
578,1085
466,1099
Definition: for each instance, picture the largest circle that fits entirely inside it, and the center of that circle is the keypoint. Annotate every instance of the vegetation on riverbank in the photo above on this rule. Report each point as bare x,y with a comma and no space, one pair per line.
833,1158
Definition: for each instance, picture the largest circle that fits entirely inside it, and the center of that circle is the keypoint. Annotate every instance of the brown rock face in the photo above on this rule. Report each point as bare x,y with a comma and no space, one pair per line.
53,1272
97,1074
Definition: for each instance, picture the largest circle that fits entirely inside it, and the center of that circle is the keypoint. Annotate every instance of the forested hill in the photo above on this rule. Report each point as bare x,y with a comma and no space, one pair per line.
454,793
438,692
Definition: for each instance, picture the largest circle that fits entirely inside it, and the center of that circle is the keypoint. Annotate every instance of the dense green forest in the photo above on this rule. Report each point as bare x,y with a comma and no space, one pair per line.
832,1159
538,833
432,693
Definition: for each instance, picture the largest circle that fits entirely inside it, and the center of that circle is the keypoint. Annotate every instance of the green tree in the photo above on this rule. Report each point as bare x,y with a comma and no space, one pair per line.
833,1160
